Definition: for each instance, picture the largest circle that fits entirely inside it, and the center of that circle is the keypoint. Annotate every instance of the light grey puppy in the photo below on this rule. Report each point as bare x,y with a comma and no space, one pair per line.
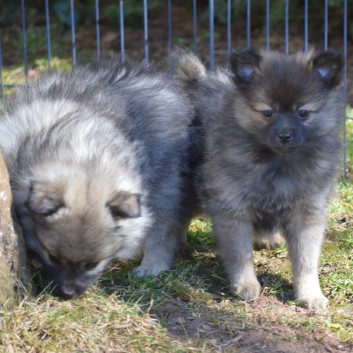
272,142
98,166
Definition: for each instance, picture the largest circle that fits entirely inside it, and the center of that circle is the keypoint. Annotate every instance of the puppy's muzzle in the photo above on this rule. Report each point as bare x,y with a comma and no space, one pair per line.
70,291
285,136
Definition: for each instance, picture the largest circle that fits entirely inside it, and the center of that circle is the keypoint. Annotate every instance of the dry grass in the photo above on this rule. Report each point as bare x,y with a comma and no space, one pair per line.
94,323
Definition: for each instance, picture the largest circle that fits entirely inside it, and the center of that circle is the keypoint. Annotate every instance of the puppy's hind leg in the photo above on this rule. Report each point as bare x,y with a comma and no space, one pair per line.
184,250
268,240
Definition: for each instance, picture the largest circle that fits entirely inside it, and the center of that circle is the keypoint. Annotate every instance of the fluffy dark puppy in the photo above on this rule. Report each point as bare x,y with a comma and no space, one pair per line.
98,167
272,143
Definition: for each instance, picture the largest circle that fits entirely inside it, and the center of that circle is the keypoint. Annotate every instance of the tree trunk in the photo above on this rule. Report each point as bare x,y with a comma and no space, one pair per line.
13,272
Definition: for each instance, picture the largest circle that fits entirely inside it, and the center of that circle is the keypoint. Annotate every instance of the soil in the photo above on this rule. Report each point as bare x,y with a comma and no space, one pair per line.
263,333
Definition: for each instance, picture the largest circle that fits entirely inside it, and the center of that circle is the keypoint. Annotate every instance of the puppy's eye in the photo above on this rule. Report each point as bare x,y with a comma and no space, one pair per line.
115,212
267,113
90,265
52,211
303,114
54,260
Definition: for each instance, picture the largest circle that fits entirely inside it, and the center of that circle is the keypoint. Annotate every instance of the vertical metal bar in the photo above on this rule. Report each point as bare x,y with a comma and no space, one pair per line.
326,26
229,26
47,20
24,33
122,32
267,24
1,86
73,34
170,28
287,26
98,32
306,25
211,5
196,49
345,86
145,21
248,23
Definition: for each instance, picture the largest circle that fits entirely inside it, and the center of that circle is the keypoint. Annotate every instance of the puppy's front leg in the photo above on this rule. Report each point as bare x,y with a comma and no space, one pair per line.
304,237
234,239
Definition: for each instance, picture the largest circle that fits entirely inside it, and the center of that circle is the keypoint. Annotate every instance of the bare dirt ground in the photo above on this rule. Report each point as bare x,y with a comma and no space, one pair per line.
262,334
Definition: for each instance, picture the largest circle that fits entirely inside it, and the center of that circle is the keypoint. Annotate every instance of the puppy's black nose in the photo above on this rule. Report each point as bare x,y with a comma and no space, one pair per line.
70,292
67,293
285,136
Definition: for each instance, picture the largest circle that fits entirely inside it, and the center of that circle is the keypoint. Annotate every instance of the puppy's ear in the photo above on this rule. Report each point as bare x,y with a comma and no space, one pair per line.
125,205
244,63
328,65
44,199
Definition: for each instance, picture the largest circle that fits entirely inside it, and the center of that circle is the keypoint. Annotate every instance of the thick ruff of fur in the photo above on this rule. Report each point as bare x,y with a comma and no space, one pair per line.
97,160
271,139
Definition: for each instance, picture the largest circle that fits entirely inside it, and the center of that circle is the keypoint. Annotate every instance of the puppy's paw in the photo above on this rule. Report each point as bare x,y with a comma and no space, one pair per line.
248,291
150,270
313,302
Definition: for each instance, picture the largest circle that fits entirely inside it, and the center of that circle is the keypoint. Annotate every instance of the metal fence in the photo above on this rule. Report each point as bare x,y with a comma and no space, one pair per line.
193,7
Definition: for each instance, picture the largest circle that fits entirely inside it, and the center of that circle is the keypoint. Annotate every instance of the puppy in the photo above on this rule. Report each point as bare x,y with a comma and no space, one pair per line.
97,160
271,126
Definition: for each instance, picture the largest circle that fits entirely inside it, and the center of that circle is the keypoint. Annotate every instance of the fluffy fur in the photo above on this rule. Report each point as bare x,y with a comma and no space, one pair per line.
271,139
98,166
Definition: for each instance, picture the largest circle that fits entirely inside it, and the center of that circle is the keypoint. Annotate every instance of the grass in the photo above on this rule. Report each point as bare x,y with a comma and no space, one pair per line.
190,309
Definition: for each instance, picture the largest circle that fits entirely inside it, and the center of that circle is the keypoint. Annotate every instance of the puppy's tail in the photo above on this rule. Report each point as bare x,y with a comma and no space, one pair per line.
187,66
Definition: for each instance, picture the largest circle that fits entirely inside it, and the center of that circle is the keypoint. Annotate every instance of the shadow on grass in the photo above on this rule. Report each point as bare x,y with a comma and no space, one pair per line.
198,279
193,302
